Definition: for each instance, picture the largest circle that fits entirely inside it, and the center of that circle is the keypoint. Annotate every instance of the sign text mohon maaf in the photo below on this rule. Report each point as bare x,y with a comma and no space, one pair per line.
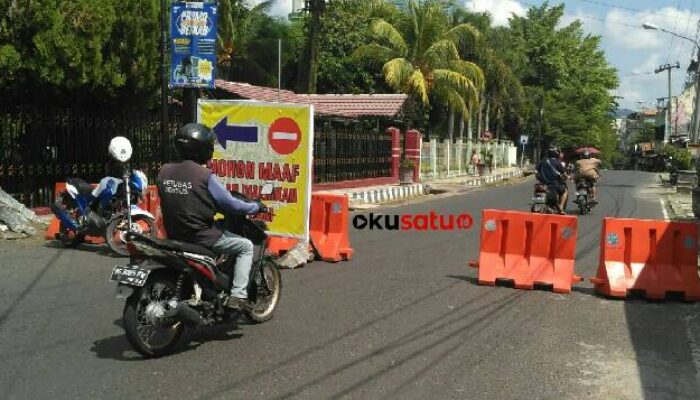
261,142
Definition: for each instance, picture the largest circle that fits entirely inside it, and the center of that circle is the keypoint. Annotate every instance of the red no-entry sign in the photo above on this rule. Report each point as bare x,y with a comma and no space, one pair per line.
284,136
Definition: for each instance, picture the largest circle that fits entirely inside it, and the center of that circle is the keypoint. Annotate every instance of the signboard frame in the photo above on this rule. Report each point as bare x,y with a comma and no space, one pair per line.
308,175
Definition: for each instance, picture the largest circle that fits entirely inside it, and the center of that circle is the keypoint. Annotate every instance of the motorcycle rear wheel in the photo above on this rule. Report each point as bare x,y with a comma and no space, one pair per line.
68,237
139,322
116,229
266,293
582,205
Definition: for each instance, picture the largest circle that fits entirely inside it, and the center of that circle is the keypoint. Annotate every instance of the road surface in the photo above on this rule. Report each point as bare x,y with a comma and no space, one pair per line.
405,319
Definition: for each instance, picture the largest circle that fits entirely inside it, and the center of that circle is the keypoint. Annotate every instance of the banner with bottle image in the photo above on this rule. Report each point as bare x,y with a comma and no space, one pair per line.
258,143
192,44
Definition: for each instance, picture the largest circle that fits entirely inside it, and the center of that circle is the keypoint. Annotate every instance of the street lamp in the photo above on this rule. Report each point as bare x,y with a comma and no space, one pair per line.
694,121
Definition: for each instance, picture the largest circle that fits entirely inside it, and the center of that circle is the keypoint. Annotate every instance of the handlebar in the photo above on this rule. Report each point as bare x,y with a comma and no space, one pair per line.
261,206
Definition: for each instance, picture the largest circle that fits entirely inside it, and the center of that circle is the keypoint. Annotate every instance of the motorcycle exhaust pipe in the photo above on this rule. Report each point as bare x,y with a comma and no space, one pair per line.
187,315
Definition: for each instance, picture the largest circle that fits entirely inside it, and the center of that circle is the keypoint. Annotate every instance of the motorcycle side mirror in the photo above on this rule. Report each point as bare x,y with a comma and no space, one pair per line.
267,189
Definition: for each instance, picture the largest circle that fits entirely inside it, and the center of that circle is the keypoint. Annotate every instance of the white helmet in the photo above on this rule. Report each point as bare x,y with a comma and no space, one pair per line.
120,148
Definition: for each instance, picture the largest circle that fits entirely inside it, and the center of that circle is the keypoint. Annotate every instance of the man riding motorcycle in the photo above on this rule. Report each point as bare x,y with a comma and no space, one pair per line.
587,169
191,196
551,172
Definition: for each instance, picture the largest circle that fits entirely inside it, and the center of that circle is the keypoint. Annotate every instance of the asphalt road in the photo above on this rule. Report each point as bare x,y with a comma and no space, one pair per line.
405,319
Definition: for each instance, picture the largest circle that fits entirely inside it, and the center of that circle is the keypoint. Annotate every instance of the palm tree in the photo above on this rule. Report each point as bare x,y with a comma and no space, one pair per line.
420,57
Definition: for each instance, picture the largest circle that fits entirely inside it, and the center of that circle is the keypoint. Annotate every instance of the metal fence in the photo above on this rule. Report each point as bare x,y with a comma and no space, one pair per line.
350,151
42,146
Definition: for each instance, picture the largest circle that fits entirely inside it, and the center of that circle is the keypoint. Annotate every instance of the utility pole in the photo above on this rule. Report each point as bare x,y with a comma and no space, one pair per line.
164,78
668,67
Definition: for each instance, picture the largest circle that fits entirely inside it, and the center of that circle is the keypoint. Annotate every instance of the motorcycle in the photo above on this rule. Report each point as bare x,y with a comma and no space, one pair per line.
583,197
170,285
84,211
672,171
544,200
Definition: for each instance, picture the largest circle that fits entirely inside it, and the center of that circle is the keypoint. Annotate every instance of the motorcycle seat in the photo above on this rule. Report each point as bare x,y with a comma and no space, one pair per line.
175,245
83,187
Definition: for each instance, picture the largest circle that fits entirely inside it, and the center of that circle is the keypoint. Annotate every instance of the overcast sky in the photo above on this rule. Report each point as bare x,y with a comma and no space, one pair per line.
635,52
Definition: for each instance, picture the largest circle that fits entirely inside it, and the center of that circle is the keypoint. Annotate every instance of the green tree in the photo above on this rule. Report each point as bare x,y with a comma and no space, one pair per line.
420,57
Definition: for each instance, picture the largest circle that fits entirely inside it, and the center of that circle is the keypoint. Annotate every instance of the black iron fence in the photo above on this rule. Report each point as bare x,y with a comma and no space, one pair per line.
350,151
40,146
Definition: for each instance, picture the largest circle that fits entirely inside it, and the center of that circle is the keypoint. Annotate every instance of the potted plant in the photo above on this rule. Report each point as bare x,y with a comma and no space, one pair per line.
406,171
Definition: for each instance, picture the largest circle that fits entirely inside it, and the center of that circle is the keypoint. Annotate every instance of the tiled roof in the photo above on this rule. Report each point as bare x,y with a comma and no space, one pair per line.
342,105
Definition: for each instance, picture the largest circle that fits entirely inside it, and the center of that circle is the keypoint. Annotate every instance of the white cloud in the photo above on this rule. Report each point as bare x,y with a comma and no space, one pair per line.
500,10
281,8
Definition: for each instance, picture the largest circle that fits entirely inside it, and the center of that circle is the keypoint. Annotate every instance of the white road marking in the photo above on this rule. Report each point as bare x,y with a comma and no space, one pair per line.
663,209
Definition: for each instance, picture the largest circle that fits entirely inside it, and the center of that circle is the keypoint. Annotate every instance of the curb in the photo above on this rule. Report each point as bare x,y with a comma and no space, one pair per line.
385,194
391,193
486,180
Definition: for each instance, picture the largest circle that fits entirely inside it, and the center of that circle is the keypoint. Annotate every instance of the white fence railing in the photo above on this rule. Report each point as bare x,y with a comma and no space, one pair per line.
443,159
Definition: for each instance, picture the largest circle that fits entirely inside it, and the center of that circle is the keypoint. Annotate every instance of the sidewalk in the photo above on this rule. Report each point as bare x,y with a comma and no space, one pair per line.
680,203
387,193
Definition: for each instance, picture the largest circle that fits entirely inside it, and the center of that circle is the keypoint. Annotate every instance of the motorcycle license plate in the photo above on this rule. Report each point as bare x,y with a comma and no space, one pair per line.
538,200
130,275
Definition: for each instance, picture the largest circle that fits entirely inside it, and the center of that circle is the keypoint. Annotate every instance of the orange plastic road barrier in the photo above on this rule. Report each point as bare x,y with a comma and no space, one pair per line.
151,203
329,226
654,256
277,245
528,249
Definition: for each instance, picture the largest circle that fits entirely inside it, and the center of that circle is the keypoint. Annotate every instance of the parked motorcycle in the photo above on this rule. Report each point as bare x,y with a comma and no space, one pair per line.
544,200
584,197
672,171
170,284
109,210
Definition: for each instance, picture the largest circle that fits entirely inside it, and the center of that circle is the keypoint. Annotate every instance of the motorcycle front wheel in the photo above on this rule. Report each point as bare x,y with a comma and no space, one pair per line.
148,332
116,231
265,292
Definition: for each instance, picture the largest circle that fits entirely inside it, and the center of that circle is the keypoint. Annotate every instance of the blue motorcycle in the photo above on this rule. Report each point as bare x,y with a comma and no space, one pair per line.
103,211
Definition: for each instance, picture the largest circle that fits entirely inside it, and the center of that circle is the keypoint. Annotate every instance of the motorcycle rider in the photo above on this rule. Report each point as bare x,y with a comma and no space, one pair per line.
551,172
587,169
191,196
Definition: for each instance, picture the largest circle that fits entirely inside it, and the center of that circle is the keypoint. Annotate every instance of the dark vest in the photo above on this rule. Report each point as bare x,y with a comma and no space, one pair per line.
188,207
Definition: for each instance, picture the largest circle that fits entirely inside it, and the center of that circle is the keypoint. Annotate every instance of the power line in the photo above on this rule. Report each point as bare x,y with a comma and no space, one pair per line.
600,3
675,24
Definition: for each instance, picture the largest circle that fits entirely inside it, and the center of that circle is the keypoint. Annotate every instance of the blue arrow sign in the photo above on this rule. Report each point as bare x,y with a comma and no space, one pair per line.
235,133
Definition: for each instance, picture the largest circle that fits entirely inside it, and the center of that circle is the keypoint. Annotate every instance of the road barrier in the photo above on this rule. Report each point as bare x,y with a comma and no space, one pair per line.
528,249
328,227
654,256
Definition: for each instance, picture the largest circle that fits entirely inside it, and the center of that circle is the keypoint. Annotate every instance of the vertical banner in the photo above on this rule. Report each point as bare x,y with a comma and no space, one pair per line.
193,44
258,143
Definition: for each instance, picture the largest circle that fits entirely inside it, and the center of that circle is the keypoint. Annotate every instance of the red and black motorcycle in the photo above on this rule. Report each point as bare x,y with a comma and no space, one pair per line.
170,284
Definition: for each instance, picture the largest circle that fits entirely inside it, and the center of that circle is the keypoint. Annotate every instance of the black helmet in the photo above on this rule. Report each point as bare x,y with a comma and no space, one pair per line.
195,142
553,152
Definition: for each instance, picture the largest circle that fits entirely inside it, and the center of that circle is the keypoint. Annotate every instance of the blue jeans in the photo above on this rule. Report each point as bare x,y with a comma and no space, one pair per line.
242,250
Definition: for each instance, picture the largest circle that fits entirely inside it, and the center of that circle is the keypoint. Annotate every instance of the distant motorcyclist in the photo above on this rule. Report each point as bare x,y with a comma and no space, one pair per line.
587,169
551,172
191,196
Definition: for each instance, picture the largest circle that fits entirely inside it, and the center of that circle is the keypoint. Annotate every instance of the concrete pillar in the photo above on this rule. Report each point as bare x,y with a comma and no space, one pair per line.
433,156
395,135
458,155
413,151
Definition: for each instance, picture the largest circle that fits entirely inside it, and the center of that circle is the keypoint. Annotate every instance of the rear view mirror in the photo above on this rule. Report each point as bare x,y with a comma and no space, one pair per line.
267,189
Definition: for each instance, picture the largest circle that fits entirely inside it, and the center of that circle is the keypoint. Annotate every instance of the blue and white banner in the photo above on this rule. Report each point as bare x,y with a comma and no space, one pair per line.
192,44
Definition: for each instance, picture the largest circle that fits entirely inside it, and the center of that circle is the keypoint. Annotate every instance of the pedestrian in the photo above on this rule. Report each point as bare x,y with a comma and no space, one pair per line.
474,162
